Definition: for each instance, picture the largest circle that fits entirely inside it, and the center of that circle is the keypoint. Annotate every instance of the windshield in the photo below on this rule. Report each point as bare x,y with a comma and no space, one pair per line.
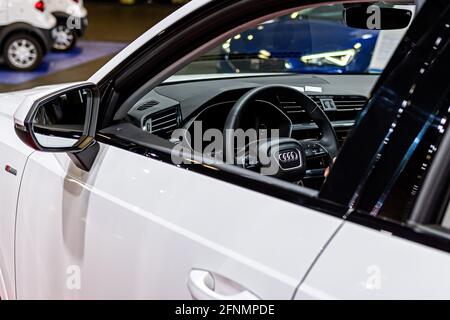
309,41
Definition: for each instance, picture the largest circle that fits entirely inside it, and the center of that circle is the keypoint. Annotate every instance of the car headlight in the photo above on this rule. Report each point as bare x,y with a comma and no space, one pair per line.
338,58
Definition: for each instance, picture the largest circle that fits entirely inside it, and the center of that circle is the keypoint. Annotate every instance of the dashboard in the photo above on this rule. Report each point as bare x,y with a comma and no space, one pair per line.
178,102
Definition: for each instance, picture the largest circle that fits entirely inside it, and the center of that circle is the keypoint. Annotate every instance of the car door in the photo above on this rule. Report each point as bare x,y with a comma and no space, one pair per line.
138,226
13,158
396,242
135,227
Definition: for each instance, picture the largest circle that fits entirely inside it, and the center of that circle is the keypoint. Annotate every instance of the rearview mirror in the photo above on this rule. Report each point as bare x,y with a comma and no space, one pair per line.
375,17
65,121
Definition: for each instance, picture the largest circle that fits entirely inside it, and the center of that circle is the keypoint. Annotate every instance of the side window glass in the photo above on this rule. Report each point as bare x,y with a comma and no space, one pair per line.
193,111
398,203
401,130
300,42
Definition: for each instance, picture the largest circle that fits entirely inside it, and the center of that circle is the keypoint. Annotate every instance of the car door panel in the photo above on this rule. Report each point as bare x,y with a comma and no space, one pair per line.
364,263
13,154
136,227
404,253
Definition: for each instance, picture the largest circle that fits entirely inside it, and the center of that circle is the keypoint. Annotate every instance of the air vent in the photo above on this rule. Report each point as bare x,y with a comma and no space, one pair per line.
294,111
337,108
147,105
341,110
164,122
346,108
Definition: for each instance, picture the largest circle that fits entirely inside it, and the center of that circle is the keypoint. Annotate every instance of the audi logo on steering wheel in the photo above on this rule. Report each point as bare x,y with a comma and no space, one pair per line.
288,156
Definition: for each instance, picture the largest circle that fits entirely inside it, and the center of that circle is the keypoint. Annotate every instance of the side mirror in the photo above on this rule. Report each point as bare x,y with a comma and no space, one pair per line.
64,121
375,17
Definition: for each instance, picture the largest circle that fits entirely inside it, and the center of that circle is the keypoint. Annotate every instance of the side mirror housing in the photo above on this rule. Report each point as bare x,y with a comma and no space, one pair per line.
374,17
64,121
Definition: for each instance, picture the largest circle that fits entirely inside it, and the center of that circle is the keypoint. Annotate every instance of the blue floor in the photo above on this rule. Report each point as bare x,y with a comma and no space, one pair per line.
85,51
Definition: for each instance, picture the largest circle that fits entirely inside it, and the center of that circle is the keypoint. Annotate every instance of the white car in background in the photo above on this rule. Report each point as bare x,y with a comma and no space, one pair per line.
72,21
25,38
95,203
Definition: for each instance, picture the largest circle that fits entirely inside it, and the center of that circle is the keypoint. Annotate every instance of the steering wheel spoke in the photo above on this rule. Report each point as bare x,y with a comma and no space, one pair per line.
288,158
314,149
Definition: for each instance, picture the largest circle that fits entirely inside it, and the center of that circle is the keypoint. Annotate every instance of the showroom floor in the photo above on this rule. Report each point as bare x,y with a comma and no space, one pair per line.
107,27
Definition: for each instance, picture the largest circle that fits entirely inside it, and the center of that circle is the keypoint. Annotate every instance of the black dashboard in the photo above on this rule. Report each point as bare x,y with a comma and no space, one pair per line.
181,100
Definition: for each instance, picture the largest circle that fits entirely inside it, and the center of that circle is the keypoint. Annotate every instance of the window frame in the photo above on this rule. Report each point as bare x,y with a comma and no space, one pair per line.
196,21
240,14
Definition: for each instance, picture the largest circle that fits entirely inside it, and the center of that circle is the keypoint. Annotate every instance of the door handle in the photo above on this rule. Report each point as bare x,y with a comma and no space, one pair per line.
201,285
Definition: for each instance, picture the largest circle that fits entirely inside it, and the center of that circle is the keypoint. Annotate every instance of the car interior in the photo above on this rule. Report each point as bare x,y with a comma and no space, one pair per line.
180,104
312,102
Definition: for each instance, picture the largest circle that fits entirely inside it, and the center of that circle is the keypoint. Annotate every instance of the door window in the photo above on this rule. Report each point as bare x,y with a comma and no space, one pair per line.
402,128
311,51
309,41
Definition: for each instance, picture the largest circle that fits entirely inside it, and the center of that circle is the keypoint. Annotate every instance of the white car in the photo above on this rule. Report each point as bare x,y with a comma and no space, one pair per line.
72,21
24,33
104,196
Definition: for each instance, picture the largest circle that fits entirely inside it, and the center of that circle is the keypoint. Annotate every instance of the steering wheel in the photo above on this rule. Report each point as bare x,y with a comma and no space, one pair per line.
284,157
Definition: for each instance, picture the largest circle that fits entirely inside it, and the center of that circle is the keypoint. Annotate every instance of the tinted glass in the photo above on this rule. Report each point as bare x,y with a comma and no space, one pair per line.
313,40
390,151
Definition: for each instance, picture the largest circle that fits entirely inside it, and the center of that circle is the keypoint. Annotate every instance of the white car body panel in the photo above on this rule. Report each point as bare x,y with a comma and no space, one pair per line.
68,7
64,223
15,153
111,224
363,263
12,11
